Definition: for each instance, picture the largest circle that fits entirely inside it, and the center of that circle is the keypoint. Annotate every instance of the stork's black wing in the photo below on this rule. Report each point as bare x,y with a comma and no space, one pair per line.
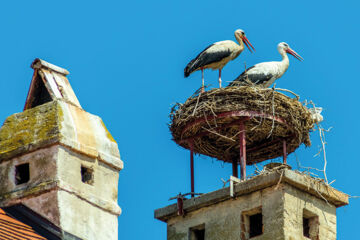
254,77
207,56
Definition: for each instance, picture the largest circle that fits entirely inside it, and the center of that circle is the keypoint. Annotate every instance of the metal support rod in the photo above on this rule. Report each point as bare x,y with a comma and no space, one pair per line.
202,78
284,152
191,143
180,206
235,168
220,78
242,141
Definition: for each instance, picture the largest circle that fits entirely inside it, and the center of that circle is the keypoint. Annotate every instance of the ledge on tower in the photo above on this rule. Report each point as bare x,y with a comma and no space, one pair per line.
272,180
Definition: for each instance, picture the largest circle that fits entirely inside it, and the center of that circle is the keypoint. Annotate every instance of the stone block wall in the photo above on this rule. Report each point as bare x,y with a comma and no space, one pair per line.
226,220
277,205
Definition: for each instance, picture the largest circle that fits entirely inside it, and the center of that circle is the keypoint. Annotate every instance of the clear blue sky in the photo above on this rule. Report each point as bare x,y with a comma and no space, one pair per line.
126,61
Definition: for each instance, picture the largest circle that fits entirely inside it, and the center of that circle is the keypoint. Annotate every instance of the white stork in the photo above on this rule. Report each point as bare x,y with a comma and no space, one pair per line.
217,55
265,73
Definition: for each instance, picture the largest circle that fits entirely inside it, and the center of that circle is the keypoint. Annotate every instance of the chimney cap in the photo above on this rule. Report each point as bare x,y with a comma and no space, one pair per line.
39,63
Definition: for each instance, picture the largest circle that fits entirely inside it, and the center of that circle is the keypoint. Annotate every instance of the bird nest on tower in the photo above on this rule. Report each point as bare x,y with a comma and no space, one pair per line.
210,123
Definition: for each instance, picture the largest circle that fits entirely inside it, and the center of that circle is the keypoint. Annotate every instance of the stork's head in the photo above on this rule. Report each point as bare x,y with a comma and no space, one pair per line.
240,35
284,47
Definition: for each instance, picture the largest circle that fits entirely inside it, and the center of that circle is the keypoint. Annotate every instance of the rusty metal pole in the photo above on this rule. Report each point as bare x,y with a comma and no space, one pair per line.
242,141
235,168
191,143
180,206
284,152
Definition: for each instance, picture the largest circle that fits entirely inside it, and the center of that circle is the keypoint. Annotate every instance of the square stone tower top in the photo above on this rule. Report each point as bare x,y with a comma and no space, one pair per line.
52,115
278,204
59,160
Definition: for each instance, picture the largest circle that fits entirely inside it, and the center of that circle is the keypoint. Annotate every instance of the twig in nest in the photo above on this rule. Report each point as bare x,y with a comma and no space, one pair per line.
236,134
286,90
206,120
322,196
224,182
198,91
277,185
218,134
262,111
273,111
212,111
197,102
316,169
318,153
323,142
257,170
307,168
332,181
354,196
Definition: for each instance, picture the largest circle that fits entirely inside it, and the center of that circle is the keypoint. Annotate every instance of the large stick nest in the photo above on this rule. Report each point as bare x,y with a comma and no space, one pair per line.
210,121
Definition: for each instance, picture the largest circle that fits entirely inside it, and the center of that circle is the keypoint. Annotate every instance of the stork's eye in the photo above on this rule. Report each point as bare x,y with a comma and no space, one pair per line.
243,33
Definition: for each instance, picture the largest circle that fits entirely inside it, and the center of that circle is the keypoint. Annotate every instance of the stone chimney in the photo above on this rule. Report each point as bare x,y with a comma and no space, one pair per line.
59,160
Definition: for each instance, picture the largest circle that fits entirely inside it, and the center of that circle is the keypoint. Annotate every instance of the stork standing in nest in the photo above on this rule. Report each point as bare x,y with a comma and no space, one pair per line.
217,55
264,74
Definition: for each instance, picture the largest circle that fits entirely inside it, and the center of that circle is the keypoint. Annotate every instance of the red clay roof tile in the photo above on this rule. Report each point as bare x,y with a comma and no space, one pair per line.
12,229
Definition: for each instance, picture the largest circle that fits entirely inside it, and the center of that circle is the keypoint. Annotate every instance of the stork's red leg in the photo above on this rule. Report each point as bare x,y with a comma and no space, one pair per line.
220,77
202,77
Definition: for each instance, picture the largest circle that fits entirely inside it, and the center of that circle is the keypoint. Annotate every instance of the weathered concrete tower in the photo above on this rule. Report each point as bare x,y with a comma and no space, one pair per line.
244,125
279,204
59,160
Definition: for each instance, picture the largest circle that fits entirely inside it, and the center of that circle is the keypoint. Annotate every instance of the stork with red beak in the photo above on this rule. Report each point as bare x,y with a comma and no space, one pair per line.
264,74
217,55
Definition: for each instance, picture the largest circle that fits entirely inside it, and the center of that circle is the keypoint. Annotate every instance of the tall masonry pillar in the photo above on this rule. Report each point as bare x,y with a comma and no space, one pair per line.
279,204
59,160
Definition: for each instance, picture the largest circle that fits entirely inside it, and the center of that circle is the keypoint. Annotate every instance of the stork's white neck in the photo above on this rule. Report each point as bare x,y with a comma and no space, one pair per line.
240,41
285,60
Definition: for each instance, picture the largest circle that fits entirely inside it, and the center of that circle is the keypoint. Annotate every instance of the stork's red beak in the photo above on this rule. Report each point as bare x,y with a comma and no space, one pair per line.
247,43
292,52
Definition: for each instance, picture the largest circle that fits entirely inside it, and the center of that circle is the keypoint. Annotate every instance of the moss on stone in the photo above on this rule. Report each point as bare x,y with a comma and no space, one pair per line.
39,125
30,190
172,234
44,125
108,134
215,229
4,174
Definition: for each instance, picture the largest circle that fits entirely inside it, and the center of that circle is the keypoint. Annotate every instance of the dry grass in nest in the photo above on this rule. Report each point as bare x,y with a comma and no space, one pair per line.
218,137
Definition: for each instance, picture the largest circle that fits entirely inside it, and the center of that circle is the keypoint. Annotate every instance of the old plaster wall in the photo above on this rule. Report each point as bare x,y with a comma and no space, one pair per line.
87,210
69,173
295,203
84,220
36,193
46,205
55,190
42,165
223,220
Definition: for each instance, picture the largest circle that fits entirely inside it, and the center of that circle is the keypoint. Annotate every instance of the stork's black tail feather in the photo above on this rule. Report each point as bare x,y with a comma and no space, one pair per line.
243,79
239,81
189,68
